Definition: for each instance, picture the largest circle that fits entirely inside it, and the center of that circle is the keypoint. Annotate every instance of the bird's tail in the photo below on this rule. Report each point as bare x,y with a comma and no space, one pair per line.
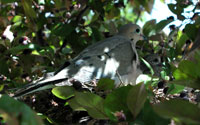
37,86
46,82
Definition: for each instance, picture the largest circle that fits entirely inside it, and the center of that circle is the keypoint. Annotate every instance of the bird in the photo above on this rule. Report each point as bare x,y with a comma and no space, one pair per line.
114,57
155,62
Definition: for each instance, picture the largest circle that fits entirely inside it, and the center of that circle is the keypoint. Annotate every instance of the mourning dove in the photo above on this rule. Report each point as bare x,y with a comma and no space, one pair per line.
115,57
155,62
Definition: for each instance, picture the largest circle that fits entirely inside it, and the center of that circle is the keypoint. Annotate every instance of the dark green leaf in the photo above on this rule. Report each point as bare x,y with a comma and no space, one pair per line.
161,25
92,103
75,105
148,26
117,102
4,67
63,30
175,8
105,84
18,111
28,10
8,1
191,30
180,109
189,83
136,99
96,35
20,48
148,117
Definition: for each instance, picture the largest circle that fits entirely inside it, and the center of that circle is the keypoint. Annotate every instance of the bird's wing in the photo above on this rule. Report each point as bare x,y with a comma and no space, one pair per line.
120,59
103,46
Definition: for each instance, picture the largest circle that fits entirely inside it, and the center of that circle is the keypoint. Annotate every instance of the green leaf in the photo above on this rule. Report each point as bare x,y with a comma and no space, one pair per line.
117,102
148,26
92,103
18,111
106,84
176,9
96,35
189,68
19,48
28,10
180,109
136,99
113,13
149,6
149,117
172,53
75,105
191,30
8,1
160,26
4,67
64,92
178,75
175,88
58,4
181,41
16,18
190,83
96,5
63,30
197,56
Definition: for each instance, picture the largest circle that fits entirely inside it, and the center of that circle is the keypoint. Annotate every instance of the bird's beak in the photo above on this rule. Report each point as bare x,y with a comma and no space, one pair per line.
142,37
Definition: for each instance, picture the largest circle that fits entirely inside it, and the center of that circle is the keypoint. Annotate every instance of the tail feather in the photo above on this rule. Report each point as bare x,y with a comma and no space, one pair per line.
33,87
48,81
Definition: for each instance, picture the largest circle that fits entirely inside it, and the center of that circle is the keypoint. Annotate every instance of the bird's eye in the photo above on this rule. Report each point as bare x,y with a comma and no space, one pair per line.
156,60
137,30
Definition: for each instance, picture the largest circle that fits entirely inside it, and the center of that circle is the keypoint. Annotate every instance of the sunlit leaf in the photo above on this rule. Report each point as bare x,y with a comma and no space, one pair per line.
189,68
16,18
181,41
64,92
175,88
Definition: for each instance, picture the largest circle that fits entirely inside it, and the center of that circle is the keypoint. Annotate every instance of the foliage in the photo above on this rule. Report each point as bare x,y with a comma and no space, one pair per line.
46,33
14,112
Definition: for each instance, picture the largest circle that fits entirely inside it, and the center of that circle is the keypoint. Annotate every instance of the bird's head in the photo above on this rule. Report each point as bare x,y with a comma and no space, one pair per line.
132,32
